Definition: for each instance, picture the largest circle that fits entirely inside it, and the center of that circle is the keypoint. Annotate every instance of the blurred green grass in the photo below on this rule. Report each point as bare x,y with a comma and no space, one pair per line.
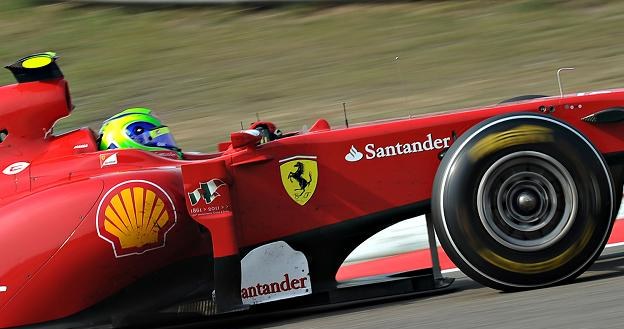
205,69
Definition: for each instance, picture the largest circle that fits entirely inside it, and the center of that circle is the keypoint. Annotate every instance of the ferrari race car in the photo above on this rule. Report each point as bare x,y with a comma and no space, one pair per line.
522,195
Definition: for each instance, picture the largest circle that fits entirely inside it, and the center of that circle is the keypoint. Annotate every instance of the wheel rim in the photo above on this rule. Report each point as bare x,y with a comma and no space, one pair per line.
527,201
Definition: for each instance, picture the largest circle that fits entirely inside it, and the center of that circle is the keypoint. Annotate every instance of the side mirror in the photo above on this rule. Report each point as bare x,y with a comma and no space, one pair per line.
245,138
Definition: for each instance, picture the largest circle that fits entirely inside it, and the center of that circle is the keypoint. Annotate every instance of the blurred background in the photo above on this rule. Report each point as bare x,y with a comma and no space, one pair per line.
204,69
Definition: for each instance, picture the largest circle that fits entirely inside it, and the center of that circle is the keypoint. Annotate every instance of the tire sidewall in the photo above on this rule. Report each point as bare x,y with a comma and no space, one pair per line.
462,232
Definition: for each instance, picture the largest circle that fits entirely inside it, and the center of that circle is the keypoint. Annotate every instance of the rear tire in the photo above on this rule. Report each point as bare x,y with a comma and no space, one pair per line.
523,201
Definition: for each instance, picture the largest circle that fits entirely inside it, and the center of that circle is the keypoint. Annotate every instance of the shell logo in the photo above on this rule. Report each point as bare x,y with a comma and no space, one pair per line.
134,217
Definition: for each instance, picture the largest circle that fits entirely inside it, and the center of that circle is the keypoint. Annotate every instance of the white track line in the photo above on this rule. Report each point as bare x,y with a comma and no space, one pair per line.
617,244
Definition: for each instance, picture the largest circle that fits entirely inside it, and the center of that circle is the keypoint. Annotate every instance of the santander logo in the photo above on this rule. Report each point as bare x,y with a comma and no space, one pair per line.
286,284
354,155
285,274
424,144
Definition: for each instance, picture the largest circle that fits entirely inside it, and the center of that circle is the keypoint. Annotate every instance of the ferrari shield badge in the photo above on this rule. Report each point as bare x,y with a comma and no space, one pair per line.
299,177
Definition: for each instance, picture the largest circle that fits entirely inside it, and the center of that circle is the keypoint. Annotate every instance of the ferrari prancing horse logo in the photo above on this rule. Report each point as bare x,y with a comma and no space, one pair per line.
299,177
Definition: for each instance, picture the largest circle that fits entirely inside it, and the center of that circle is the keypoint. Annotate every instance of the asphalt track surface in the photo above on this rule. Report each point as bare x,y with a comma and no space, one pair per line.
595,300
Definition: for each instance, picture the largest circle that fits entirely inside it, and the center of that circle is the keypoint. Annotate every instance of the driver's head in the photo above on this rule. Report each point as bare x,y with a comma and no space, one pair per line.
136,128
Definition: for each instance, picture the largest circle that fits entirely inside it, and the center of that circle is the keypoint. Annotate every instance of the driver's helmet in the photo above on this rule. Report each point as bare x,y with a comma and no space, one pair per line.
137,128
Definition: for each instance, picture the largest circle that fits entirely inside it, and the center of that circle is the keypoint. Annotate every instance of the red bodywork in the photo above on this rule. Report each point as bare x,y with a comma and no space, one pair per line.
63,250
53,262
348,190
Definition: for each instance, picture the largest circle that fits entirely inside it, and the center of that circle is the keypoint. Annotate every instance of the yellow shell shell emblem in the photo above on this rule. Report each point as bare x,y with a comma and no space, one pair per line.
135,217
299,177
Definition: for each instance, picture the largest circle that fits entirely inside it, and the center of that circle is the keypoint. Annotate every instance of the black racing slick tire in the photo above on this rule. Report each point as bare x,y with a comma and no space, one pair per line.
523,201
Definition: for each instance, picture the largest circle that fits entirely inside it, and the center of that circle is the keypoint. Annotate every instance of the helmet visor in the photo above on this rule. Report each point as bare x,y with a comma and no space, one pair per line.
157,137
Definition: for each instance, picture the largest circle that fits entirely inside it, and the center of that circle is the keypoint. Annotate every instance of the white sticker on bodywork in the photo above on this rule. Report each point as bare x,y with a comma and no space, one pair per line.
108,160
15,168
273,272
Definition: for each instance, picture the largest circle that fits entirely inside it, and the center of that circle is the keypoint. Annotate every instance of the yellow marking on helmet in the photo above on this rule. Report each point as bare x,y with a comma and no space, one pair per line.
36,62
159,131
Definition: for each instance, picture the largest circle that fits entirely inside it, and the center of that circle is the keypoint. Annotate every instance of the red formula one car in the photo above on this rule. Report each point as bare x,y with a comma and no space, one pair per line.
522,194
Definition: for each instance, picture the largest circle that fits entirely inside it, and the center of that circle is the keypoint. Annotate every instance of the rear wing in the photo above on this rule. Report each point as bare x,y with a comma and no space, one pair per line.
36,67
29,109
